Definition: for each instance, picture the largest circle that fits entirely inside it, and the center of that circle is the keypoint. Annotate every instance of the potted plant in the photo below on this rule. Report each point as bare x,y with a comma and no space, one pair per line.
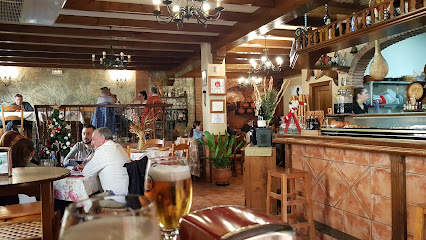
219,153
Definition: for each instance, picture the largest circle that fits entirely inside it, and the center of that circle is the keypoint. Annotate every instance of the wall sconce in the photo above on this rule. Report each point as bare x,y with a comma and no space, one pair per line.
7,73
120,77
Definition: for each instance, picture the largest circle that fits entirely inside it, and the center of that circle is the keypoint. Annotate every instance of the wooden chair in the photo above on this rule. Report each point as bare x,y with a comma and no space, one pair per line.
237,156
128,151
155,142
13,118
181,147
419,225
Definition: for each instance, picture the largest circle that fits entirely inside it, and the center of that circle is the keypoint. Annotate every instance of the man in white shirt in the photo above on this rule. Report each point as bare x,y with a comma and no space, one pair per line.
105,98
108,163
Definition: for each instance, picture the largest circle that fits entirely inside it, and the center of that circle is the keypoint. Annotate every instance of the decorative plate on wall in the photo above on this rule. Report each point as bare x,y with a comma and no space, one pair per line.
414,90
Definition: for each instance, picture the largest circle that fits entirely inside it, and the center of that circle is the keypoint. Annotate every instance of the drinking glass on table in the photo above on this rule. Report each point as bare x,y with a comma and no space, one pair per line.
129,217
79,158
168,183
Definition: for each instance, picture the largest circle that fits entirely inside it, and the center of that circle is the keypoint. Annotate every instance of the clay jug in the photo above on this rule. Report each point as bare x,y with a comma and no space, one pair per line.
379,67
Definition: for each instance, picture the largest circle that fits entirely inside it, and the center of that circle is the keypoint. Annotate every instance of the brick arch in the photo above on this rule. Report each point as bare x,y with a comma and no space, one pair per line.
360,61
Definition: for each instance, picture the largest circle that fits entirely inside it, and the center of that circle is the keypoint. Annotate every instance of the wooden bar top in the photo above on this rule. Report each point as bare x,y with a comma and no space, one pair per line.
401,147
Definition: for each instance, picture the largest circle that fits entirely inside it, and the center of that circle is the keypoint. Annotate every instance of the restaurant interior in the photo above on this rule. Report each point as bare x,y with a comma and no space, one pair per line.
260,119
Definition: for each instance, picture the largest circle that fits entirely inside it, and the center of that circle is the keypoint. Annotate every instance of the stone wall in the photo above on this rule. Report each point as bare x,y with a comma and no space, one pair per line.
73,86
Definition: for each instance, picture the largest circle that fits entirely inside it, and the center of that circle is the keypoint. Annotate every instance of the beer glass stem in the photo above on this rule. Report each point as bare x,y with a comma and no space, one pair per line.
169,234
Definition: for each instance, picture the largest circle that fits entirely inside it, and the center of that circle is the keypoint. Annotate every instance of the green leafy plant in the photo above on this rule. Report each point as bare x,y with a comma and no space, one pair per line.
220,150
268,103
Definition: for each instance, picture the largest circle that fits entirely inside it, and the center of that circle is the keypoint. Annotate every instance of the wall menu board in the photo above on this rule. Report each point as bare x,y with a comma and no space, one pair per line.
5,161
217,85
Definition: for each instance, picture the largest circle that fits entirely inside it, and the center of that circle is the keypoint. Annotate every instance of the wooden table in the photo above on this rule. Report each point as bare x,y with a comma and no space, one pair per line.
23,179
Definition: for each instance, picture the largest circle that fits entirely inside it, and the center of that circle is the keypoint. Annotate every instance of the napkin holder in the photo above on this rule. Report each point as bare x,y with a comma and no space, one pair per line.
232,223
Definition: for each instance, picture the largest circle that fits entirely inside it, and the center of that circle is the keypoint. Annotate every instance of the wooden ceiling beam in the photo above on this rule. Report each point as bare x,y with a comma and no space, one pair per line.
272,43
45,55
103,6
18,38
73,66
90,51
245,55
229,60
281,33
258,3
81,32
99,21
251,50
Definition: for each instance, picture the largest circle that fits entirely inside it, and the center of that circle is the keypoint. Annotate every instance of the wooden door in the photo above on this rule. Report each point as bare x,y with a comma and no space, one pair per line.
321,96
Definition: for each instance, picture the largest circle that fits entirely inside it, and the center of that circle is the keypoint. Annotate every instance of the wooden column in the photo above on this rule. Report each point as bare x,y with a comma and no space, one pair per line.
399,201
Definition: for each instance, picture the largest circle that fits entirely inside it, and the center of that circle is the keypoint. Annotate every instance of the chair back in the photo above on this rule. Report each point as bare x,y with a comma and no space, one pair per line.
181,147
13,118
155,142
128,151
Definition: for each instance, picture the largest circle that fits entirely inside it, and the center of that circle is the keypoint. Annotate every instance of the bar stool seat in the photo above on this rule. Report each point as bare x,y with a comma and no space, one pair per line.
290,197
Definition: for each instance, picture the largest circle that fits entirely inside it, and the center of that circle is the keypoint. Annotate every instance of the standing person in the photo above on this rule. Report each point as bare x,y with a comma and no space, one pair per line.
141,98
84,148
19,100
105,97
119,117
108,163
359,98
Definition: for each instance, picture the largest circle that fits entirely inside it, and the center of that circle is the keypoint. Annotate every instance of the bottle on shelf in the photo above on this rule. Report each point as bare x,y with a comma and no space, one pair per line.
315,124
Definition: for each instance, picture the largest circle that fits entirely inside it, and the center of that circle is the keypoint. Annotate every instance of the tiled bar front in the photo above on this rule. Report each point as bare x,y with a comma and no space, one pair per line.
352,188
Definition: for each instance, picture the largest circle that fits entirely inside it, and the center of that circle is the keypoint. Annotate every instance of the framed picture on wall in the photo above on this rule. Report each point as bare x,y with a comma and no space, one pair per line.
217,106
204,77
217,85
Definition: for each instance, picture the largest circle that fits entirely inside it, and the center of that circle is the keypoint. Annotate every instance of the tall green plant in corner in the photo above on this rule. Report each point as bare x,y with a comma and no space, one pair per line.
219,151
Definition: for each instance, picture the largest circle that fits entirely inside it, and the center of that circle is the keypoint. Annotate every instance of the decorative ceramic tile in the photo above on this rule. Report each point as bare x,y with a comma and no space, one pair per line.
319,195
356,156
335,154
308,169
297,149
380,231
381,181
298,162
350,203
334,184
380,160
314,152
351,172
357,226
381,209
318,166
416,188
333,217
362,191
416,164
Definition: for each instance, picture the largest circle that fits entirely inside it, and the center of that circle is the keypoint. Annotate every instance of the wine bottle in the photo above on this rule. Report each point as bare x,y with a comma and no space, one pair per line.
261,121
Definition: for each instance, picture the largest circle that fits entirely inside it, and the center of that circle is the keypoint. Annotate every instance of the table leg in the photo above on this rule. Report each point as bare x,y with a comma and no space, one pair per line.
46,192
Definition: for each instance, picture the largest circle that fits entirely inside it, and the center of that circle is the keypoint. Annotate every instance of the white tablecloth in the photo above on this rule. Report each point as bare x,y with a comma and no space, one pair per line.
70,116
76,188
150,153
29,116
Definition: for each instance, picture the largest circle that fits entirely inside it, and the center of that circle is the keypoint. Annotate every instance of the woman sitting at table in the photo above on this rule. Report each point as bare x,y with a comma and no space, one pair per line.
9,138
22,153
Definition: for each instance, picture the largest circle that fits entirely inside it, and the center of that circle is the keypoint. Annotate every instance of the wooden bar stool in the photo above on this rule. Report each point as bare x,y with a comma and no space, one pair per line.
290,197
419,230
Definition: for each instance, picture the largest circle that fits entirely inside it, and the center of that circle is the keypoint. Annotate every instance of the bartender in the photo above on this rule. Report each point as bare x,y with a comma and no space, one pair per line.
360,97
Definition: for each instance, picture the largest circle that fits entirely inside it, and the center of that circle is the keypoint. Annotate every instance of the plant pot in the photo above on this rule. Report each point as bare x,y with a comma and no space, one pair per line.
222,176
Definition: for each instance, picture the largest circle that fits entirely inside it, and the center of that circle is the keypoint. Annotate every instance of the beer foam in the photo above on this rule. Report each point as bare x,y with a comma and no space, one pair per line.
168,173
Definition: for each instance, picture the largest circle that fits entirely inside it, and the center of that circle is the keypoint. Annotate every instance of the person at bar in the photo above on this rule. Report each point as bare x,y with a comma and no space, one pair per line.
359,98
84,148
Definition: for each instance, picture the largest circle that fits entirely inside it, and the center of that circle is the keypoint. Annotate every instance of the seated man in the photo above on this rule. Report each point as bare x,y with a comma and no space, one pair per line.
84,148
247,126
108,163
27,107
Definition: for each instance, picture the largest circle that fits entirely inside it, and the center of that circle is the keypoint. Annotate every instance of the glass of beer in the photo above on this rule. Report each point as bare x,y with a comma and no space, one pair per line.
111,217
168,183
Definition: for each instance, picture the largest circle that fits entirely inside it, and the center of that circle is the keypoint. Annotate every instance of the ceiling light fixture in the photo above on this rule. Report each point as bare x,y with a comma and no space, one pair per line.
178,10
248,82
7,73
266,65
109,60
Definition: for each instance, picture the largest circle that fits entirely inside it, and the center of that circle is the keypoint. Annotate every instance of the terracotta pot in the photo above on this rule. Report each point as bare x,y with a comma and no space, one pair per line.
222,176
379,67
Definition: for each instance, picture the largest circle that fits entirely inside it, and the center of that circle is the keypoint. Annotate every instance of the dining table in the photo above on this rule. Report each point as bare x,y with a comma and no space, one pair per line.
76,187
151,152
29,116
23,180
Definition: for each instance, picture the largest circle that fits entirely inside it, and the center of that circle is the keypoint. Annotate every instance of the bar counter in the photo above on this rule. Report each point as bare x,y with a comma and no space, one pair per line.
362,186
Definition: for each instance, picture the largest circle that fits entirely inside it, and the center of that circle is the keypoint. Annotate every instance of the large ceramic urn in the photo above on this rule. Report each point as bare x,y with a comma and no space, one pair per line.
379,67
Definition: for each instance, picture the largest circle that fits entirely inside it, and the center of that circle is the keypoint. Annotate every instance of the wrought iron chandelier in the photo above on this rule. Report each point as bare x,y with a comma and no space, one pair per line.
178,10
109,60
266,65
248,82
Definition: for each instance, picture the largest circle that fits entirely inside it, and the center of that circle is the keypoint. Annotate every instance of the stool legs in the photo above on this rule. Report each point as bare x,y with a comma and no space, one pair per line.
268,196
284,196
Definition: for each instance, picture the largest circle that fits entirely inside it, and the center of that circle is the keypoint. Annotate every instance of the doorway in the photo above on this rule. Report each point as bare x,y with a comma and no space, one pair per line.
321,96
